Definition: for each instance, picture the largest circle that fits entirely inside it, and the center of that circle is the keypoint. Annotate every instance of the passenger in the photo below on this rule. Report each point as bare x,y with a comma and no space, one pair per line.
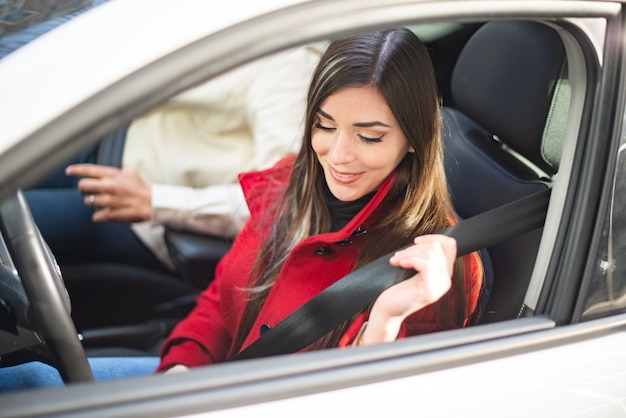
368,179
179,167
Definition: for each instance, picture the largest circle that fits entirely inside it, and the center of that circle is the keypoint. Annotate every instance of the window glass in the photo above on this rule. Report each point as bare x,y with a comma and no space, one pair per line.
607,290
21,21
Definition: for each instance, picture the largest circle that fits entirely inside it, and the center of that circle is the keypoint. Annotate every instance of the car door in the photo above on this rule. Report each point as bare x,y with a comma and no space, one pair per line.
563,357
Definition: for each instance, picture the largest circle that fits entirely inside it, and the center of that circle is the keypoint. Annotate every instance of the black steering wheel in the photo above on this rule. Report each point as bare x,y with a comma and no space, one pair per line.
49,305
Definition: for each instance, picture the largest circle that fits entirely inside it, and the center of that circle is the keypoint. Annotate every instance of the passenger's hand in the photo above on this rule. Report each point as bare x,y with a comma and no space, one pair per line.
432,257
116,194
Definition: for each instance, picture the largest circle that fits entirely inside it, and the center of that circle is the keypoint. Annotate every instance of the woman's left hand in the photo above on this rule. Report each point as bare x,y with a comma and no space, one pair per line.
432,257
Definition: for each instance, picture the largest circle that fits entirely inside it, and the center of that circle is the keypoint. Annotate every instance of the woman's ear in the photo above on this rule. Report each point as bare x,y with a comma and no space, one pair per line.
411,150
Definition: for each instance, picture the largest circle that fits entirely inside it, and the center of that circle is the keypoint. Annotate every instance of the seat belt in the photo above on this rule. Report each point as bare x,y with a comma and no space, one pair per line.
354,292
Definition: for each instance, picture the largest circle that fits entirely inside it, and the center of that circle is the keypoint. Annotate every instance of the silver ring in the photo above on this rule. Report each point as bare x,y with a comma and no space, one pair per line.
92,198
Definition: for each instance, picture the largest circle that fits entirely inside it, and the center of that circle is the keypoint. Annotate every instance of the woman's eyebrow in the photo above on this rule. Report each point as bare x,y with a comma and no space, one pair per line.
370,124
324,114
358,124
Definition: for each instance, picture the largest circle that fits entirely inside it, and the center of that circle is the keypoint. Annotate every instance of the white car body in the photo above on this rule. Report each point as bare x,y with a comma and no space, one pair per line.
120,59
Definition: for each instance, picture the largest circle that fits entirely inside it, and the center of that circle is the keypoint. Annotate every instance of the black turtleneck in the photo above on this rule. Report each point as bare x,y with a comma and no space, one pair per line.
342,212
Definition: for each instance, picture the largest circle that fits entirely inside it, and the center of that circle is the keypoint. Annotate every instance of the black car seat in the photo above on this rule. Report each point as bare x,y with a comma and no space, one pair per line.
503,140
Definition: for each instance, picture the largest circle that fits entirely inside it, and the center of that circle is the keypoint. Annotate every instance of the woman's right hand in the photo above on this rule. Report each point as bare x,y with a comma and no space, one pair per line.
432,257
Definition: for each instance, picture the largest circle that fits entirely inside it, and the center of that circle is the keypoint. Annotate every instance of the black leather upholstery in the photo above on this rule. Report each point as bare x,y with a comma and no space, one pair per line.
509,89
196,255
111,150
503,85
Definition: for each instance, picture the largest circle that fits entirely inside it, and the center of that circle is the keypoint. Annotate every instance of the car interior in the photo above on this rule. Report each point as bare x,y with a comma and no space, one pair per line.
503,140
505,95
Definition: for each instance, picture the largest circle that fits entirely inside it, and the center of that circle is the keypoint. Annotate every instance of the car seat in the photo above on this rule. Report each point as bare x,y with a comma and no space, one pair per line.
503,141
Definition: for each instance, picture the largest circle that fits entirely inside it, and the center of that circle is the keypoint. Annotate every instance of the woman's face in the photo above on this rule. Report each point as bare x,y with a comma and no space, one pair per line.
358,141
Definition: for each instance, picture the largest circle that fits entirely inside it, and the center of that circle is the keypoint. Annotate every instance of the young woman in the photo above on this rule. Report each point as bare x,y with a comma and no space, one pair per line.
369,178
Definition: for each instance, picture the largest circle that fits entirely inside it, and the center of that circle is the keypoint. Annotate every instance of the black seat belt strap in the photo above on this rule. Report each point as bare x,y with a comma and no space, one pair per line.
352,293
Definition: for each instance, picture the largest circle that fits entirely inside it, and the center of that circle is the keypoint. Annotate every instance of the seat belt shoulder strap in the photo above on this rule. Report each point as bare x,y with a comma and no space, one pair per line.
352,293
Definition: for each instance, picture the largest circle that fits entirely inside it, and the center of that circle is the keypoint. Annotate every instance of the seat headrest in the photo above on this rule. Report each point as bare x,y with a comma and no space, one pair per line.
505,80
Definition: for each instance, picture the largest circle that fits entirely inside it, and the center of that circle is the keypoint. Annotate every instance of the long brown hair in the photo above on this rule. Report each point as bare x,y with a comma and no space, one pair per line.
397,64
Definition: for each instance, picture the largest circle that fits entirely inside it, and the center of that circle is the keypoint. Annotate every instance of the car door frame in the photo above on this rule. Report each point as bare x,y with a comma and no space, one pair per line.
248,383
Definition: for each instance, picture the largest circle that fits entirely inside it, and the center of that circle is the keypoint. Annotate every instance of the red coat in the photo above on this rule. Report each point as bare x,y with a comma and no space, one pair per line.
206,336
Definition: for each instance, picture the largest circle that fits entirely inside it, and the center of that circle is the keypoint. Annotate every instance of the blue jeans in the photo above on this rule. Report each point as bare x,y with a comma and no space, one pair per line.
39,375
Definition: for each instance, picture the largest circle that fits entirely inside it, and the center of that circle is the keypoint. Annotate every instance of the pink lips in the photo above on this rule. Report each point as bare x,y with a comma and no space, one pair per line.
343,178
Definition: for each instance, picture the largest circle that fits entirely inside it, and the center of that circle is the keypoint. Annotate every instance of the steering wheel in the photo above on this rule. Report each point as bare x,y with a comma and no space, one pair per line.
49,305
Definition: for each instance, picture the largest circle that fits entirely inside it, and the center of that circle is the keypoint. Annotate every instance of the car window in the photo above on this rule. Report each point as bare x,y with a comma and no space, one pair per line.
606,292
22,21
